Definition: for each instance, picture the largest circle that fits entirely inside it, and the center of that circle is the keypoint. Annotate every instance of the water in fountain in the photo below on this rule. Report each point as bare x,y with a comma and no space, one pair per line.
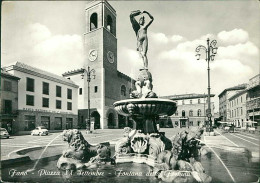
36,163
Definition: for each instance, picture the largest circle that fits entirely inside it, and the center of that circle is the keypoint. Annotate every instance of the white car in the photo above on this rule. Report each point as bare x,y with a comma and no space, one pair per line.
40,130
4,133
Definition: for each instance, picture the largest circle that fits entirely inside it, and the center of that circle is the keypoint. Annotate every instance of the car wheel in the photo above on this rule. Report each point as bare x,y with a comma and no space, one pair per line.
7,137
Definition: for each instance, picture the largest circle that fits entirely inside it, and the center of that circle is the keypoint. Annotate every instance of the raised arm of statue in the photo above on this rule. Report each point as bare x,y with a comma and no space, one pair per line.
135,24
151,19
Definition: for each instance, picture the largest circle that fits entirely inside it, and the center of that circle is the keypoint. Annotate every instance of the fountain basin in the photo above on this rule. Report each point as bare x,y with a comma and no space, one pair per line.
147,107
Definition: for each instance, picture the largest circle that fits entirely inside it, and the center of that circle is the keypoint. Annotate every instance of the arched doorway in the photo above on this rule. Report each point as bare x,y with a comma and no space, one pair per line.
96,117
111,120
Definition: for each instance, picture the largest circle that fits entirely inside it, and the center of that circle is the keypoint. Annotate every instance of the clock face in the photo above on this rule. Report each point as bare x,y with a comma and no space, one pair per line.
93,55
110,57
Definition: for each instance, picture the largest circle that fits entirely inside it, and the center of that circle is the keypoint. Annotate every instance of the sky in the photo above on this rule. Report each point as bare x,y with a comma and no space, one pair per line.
49,35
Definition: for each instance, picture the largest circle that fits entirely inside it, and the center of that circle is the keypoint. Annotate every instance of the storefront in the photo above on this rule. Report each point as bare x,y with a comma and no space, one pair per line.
29,119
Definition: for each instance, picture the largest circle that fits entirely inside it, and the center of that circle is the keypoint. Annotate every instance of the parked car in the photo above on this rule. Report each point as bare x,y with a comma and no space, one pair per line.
40,130
4,133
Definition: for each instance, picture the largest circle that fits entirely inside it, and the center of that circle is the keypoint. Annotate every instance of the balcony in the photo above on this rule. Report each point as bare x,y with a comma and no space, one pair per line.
253,103
255,113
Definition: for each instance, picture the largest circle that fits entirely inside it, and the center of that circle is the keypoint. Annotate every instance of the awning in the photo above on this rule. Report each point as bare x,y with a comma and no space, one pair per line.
226,121
249,122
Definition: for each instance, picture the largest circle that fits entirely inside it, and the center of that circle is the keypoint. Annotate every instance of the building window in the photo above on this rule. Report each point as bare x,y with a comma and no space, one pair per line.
69,106
29,122
45,102
190,101
30,84
183,113
191,123
7,106
58,123
93,21
7,85
199,112
241,111
45,88
123,90
69,93
176,113
182,102
241,99
30,100
69,122
45,121
109,23
198,101
191,113
58,91
96,89
80,91
58,104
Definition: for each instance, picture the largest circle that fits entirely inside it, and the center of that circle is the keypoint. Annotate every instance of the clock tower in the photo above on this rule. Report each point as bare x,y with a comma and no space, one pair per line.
100,36
109,85
101,55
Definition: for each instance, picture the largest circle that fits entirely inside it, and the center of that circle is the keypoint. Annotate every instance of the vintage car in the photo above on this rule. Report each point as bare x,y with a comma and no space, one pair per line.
4,133
40,130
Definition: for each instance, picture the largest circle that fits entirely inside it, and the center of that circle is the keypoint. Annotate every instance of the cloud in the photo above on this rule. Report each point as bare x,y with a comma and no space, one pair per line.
130,58
39,32
38,47
159,37
176,38
236,36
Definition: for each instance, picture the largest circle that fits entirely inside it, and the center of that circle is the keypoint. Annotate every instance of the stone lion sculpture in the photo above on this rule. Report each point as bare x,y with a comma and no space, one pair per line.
80,153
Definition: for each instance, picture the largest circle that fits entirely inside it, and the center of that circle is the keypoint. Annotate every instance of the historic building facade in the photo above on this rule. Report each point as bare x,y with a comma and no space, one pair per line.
44,99
191,110
224,110
237,108
107,84
9,101
253,100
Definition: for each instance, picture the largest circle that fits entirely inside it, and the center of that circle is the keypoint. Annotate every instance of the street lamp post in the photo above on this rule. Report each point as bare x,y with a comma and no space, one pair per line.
210,51
88,73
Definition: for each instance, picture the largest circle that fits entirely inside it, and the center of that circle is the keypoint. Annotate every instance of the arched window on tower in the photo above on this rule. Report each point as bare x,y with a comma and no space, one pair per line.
123,90
191,113
93,21
109,24
199,112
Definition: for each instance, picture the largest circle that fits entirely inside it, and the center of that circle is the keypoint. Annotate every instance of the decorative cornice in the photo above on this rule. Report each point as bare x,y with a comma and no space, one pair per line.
45,76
